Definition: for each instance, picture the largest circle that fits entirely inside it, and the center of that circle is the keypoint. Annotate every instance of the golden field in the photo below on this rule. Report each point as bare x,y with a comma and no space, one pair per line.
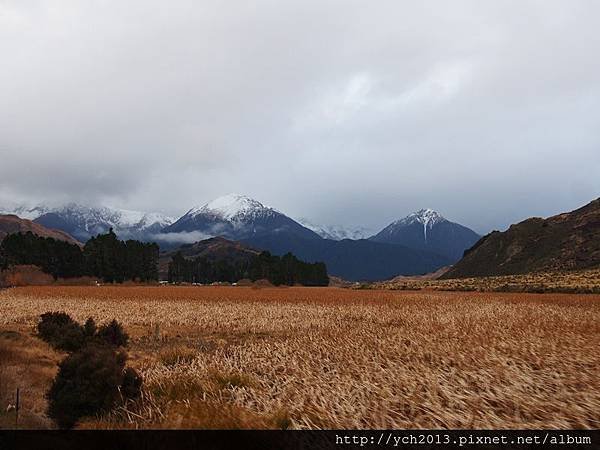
574,282
237,357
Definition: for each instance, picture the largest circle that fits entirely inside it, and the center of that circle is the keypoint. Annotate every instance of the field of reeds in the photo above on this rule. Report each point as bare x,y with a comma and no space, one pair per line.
242,357
575,282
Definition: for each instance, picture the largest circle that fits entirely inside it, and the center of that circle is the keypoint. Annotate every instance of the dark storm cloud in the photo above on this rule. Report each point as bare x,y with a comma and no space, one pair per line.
338,111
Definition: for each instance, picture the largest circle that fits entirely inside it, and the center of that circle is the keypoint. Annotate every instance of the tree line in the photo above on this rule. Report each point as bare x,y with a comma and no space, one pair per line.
103,256
286,269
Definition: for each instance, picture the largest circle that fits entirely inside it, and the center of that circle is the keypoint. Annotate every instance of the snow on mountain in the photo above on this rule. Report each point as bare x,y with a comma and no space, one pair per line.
83,222
234,208
238,217
336,232
28,212
428,230
426,217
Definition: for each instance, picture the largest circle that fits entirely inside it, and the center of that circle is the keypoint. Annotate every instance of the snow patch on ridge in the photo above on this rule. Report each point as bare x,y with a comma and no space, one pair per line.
336,232
232,207
426,217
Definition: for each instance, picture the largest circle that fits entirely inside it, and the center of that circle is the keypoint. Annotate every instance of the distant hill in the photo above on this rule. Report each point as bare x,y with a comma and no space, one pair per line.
568,241
12,224
212,249
428,230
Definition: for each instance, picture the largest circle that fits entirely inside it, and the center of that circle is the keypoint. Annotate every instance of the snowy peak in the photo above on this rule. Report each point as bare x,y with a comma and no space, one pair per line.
238,217
85,221
336,232
232,207
426,217
428,230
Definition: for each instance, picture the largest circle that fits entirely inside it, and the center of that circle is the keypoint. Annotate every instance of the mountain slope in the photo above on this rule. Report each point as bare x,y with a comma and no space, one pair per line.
428,230
360,260
238,217
12,224
567,241
84,222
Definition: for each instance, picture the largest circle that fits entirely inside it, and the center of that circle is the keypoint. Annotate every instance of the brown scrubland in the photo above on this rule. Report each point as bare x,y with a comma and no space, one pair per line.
576,282
242,357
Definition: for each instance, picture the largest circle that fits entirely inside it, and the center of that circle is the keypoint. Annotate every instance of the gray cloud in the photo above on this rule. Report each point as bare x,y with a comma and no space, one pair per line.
336,111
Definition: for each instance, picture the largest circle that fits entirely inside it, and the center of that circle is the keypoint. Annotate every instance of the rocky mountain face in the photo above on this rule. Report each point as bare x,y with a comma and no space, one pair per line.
568,241
429,231
12,224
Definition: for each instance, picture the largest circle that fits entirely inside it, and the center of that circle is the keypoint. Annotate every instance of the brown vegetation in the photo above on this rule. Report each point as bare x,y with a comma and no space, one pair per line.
237,357
577,282
25,275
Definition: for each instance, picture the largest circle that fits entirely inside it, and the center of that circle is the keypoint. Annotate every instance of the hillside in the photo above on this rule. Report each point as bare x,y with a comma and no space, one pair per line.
213,249
12,224
568,241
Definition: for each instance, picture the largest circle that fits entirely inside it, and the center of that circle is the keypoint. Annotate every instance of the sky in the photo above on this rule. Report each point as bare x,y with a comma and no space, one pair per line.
342,112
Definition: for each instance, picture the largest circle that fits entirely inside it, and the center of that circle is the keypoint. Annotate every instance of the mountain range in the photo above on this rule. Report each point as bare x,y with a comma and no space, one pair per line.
83,222
420,243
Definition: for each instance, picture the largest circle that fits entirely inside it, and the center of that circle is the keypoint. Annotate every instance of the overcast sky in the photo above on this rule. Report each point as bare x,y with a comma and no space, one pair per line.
342,112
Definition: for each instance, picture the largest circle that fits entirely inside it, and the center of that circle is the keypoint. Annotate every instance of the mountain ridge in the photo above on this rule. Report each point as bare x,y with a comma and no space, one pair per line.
566,241
83,222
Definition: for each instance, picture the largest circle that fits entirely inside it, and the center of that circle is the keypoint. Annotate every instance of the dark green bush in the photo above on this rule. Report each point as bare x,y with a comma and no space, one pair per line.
61,331
89,328
87,383
113,334
91,381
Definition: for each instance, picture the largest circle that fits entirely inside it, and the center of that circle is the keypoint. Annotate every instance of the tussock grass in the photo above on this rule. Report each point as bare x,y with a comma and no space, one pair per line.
575,282
338,358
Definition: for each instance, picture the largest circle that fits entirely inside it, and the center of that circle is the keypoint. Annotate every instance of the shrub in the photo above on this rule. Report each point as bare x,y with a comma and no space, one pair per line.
89,328
113,334
61,331
87,383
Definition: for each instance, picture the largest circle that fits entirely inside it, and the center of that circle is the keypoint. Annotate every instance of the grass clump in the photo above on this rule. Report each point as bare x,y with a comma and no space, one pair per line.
175,355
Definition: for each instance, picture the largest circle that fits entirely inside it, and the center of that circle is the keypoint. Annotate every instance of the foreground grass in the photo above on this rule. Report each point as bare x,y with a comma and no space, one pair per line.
218,357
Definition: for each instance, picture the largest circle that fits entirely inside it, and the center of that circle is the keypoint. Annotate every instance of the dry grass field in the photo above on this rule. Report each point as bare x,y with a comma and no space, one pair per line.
575,282
237,357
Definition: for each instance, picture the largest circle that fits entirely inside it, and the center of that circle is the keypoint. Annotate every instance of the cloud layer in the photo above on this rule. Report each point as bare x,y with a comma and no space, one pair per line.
337,111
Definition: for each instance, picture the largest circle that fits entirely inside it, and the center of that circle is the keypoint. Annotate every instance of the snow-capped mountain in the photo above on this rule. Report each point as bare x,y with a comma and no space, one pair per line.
24,211
428,230
238,217
336,232
83,222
